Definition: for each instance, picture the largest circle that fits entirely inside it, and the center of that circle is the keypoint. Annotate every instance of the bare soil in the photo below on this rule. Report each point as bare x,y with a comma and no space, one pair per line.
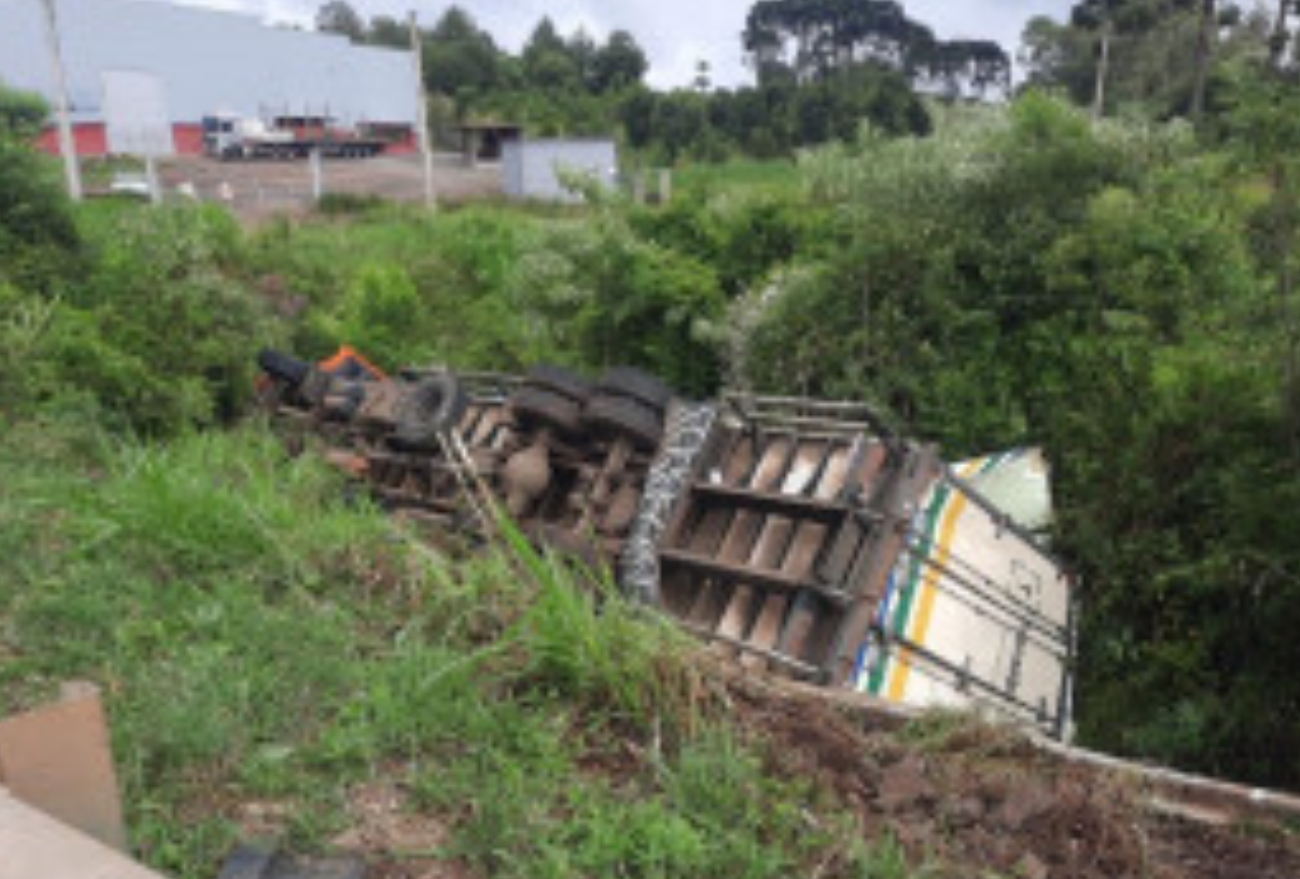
401,842
979,799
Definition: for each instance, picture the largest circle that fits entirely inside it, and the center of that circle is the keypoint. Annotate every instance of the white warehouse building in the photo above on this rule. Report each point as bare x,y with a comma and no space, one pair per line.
209,63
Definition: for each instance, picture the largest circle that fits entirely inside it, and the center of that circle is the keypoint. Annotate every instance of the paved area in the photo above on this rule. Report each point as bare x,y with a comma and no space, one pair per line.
259,189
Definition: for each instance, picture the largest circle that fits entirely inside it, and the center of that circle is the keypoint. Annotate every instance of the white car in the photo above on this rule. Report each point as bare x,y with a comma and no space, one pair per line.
128,183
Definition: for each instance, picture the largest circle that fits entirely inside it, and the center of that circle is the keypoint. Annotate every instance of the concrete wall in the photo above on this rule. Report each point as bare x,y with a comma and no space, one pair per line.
209,62
532,168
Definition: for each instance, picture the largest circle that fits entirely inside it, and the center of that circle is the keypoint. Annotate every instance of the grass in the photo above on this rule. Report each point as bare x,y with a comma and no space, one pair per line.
773,176
261,640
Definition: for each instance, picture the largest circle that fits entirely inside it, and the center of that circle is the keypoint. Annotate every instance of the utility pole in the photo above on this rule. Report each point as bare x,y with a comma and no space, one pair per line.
62,107
1280,39
422,111
1103,72
1205,39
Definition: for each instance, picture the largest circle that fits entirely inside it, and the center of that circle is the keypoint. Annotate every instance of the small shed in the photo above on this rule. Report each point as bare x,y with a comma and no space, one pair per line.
485,141
533,168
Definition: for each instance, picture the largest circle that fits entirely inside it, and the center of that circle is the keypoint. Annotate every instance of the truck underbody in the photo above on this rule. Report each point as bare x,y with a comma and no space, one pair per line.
802,537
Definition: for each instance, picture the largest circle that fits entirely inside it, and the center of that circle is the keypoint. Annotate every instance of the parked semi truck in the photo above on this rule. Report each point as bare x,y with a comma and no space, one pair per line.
799,536
232,138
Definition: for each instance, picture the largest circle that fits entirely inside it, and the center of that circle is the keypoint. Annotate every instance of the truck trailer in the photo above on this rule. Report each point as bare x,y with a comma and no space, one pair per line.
799,537
240,138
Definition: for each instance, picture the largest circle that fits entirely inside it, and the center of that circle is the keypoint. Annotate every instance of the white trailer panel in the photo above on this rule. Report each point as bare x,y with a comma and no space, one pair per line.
975,613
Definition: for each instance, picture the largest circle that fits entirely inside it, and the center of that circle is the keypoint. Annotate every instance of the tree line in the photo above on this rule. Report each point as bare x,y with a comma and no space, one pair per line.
1161,58
822,69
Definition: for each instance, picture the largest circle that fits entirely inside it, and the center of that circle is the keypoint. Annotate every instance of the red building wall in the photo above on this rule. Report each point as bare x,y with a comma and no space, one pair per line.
188,138
405,146
91,139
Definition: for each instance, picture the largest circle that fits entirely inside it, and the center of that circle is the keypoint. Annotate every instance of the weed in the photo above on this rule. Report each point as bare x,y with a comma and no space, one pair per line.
259,640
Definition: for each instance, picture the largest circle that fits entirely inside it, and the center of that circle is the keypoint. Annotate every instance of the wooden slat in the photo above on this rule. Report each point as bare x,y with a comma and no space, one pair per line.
773,535
806,543
835,564
744,529
716,523
705,529
822,509
744,576
834,561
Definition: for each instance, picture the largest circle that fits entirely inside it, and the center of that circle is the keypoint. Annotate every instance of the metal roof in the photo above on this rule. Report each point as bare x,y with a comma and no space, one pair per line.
209,62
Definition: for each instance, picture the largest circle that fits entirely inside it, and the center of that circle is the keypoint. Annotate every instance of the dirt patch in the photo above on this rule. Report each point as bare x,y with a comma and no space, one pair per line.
260,819
400,842
978,799
1190,850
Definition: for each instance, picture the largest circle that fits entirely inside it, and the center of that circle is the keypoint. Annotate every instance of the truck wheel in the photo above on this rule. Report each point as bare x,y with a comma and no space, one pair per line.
636,384
537,407
283,367
560,381
621,416
434,405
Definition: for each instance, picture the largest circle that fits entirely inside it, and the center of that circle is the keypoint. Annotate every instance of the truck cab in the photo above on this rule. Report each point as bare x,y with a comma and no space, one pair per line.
229,136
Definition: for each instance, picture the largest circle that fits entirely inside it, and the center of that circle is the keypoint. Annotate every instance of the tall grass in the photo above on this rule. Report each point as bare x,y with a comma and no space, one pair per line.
260,640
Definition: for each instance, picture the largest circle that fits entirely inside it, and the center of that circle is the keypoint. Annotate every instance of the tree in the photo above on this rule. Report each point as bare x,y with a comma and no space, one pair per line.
703,78
811,39
620,63
1057,55
22,114
1280,38
966,68
637,114
460,59
582,49
387,31
1205,39
680,117
548,62
1158,55
338,17
39,241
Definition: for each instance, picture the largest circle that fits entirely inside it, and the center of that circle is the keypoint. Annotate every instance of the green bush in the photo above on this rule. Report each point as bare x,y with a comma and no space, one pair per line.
39,244
605,296
177,329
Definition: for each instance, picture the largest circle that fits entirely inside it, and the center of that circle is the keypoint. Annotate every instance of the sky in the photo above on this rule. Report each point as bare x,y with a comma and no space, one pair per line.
676,34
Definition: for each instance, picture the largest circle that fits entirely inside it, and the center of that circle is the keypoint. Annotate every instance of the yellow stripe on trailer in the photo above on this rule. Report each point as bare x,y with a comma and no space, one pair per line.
930,585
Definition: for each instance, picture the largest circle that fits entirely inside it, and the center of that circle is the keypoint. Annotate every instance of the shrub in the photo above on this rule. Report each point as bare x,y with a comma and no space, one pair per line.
39,244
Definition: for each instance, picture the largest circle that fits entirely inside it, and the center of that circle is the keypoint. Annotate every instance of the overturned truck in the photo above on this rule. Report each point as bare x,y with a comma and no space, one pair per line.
799,536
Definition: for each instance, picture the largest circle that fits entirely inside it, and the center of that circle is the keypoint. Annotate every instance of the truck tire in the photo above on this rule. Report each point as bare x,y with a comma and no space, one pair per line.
434,405
560,381
636,384
536,407
621,416
283,367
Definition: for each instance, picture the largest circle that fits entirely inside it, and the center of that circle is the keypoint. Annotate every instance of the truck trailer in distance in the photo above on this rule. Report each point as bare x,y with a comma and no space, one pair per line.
230,138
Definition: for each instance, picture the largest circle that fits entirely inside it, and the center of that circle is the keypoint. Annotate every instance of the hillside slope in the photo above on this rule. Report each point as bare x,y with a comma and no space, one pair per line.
283,664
